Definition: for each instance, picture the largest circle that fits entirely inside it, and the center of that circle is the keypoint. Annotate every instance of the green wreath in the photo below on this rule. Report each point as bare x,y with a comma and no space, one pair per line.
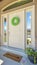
15,21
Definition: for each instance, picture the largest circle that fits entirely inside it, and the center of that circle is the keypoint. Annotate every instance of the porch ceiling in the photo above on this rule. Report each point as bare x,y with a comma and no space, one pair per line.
5,2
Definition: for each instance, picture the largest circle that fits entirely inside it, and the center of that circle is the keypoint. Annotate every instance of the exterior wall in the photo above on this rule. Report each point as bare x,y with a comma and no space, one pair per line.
0,28
35,24
36,27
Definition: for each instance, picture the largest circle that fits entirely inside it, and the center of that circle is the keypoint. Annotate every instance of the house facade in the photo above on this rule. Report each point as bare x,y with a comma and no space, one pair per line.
18,26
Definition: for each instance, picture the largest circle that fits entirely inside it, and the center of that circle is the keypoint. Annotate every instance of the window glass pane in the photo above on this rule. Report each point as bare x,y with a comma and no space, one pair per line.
28,26
5,29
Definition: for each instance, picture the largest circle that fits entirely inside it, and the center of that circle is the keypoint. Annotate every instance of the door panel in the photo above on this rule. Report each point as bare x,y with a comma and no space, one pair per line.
16,33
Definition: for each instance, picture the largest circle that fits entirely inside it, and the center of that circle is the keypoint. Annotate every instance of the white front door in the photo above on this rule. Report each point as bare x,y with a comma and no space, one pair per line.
16,30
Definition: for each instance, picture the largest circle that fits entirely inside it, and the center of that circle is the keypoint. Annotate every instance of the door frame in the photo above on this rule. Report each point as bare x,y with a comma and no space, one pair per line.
32,26
2,31
25,36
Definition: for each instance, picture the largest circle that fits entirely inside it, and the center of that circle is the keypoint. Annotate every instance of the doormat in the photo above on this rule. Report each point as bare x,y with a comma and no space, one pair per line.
13,56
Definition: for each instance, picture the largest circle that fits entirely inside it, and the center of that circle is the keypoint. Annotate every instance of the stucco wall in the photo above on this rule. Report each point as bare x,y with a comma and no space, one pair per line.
36,27
0,27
